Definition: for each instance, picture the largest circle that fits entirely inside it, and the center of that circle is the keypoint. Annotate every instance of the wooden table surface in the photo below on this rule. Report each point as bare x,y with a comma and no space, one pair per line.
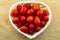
7,32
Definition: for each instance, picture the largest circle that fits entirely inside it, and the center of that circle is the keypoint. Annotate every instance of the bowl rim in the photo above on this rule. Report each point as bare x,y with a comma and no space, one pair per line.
38,33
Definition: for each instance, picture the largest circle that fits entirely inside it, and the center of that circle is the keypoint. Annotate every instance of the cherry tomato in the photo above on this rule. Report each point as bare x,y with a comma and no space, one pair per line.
29,19
27,6
31,32
27,25
19,24
45,18
40,13
30,12
14,12
24,29
31,26
15,20
19,18
45,12
37,29
23,19
37,21
19,6
42,23
36,7
23,11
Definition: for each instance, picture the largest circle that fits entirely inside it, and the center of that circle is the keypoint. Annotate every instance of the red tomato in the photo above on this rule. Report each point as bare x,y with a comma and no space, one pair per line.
31,26
23,11
45,18
27,6
37,21
31,32
19,6
40,13
29,19
37,29
42,23
24,29
15,20
27,25
45,12
36,7
30,12
14,12
23,19
19,24
19,18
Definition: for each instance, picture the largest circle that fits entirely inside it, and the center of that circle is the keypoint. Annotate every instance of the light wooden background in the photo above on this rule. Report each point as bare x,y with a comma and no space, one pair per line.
7,32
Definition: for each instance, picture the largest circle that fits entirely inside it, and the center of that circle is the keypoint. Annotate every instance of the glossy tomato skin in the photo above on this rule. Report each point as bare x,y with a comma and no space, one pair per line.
19,24
23,19
15,20
42,23
37,21
45,12
37,29
31,31
46,18
23,11
27,25
14,12
27,6
30,12
19,18
40,13
30,19
24,29
36,7
19,7
31,26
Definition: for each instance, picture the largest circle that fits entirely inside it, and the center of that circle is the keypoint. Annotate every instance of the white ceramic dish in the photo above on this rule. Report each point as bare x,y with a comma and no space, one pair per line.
38,33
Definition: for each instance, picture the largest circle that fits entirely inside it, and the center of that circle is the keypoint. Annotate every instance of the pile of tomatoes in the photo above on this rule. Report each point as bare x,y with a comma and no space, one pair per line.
29,18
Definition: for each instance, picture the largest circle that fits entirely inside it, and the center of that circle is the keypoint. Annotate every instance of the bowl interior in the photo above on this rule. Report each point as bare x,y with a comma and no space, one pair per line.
32,2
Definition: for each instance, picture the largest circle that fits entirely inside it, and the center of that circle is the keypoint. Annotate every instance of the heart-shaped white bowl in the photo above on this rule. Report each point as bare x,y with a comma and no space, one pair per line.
38,33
